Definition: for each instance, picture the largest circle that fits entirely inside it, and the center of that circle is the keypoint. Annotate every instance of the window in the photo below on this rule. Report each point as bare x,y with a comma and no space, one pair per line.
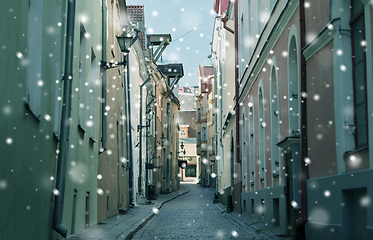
199,114
93,93
199,138
243,151
275,134
249,29
293,89
213,144
259,16
203,134
168,132
251,144
359,73
34,80
182,133
242,46
168,109
261,122
82,76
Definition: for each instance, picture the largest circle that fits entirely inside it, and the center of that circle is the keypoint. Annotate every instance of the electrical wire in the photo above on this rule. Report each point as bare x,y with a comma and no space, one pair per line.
194,29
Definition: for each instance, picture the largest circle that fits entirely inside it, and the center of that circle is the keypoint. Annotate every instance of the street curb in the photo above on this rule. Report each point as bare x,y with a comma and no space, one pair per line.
141,225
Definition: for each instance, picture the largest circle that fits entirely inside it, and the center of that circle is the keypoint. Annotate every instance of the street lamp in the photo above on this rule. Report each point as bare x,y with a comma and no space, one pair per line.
182,163
125,42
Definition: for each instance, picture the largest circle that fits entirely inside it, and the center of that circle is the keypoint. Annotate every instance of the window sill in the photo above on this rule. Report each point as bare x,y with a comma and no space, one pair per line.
32,113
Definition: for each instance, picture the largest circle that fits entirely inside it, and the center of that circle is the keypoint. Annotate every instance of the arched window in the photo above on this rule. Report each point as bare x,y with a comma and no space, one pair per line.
275,119
259,16
262,125
293,83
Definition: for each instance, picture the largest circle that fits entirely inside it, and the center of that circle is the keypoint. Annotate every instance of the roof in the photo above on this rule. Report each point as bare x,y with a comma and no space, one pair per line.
172,70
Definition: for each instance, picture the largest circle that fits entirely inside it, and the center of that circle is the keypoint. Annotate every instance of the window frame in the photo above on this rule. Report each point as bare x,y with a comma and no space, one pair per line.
355,19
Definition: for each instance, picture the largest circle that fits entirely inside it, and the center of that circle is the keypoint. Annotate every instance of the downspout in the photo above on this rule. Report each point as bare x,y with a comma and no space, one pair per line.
155,175
104,76
300,222
236,75
140,128
129,132
65,123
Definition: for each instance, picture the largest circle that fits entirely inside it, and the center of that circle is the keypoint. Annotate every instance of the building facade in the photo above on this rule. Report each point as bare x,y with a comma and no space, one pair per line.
206,74
222,59
32,106
187,135
338,56
304,91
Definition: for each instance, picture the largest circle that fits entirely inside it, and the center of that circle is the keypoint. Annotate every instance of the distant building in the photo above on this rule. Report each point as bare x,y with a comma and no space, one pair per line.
185,90
206,76
205,79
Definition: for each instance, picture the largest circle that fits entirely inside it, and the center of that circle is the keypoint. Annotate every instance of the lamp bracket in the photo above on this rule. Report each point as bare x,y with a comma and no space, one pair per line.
107,65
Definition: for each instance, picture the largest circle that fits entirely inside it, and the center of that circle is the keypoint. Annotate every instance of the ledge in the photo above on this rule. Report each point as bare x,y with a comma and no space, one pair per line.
319,42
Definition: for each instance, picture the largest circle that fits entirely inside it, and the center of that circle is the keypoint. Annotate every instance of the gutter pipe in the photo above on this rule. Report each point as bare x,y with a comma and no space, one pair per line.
140,128
65,122
300,222
104,77
129,132
155,137
236,75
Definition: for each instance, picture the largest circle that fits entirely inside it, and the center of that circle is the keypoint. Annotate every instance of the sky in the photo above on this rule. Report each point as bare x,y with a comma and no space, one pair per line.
178,17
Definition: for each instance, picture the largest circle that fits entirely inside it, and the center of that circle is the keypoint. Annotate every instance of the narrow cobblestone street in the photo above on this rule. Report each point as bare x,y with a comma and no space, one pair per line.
194,216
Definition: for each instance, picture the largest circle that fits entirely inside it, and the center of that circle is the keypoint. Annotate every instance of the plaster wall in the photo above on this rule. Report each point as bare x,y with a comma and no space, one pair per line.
329,209
28,163
320,117
112,165
317,15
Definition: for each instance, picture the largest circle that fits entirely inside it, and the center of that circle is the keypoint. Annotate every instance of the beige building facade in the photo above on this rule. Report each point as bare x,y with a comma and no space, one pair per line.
206,74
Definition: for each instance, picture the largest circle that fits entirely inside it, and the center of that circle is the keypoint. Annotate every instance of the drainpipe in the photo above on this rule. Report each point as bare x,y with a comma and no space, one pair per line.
155,175
104,76
236,75
140,160
65,123
300,222
129,132
140,128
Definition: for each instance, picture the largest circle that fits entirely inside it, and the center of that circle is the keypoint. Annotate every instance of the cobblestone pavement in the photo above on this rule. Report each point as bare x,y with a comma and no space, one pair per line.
194,216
